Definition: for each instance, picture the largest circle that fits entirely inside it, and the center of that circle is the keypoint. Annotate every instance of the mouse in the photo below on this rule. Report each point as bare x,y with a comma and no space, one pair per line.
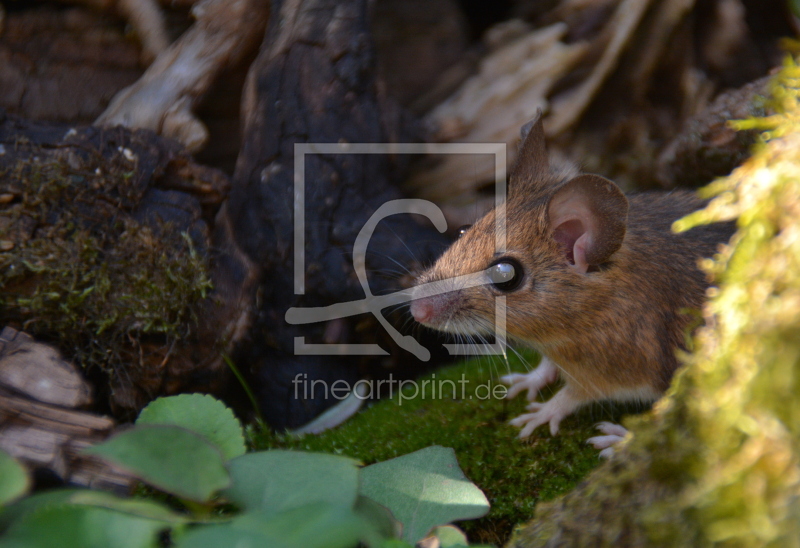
594,280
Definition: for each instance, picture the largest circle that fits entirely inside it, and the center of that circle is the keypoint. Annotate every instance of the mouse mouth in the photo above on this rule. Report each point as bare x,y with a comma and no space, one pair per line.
469,329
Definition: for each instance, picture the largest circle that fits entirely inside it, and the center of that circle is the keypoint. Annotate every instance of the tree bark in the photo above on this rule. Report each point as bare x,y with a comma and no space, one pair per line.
314,81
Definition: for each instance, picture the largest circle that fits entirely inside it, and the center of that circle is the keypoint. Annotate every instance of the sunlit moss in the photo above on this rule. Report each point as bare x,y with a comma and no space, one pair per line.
78,270
717,462
515,475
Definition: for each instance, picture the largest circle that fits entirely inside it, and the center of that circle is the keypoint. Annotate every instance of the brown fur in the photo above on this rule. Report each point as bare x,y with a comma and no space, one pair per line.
613,330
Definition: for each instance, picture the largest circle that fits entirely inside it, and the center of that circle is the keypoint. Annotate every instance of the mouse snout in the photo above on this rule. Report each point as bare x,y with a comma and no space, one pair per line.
434,310
423,310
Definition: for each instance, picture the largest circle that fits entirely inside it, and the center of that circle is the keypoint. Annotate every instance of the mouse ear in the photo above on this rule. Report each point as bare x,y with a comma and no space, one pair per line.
588,215
532,152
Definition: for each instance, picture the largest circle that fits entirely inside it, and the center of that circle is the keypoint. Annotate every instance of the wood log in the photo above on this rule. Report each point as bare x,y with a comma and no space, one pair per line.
314,81
39,424
513,82
616,80
39,372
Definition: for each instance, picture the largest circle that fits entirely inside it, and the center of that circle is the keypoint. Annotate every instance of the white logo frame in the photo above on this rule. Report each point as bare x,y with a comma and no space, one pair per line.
376,303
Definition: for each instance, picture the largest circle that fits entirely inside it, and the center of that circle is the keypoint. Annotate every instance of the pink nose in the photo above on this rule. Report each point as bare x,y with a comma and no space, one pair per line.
422,310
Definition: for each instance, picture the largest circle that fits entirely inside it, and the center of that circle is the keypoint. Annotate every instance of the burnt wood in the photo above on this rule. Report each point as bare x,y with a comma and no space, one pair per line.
314,81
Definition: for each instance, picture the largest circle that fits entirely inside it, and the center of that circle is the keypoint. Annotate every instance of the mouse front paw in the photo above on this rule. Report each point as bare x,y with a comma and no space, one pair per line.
551,412
546,373
613,434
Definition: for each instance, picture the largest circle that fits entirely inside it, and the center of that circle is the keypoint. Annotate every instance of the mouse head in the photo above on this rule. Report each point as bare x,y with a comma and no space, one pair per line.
562,230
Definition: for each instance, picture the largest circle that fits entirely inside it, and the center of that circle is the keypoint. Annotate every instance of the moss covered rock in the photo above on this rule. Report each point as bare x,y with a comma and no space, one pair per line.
102,249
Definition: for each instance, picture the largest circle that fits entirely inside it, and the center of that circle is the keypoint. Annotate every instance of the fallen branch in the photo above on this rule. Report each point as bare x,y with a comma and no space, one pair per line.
163,98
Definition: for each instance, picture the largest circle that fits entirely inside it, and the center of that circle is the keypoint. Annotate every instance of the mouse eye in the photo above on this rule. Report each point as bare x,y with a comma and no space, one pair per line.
506,274
462,230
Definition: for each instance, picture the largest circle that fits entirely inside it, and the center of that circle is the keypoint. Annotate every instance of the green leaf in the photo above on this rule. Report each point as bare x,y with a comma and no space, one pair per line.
14,480
14,512
277,480
85,526
318,525
224,536
450,537
201,414
143,508
386,527
423,489
396,543
169,458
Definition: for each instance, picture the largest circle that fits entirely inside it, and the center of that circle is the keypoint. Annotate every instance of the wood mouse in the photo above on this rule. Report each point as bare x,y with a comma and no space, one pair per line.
594,281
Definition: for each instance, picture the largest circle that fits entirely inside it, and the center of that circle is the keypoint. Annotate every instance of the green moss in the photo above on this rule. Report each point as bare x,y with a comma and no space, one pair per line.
77,269
514,474
717,463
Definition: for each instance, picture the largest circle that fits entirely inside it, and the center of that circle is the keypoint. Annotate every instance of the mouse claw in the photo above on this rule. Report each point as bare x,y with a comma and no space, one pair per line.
614,433
528,422
551,412
516,384
531,421
603,442
612,429
606,453
546,373
522,419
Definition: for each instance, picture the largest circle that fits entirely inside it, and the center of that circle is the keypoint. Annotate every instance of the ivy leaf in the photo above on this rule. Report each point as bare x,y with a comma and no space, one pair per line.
201,414
317,525
277,480
62,525
423,489
450,537
14,512
224,536
169,458
14,480
143,508
379,516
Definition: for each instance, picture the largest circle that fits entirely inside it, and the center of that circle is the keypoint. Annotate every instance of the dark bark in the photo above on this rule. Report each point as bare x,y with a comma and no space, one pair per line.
314,81
430,35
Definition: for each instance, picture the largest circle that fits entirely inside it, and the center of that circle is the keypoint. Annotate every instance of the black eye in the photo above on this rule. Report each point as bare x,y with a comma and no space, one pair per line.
463,230
506,274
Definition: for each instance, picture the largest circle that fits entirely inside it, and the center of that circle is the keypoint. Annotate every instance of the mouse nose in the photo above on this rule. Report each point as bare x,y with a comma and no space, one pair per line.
422,309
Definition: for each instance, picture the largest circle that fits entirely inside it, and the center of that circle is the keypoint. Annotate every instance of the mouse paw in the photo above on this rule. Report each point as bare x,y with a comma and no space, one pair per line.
546,373
551,412
614,433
